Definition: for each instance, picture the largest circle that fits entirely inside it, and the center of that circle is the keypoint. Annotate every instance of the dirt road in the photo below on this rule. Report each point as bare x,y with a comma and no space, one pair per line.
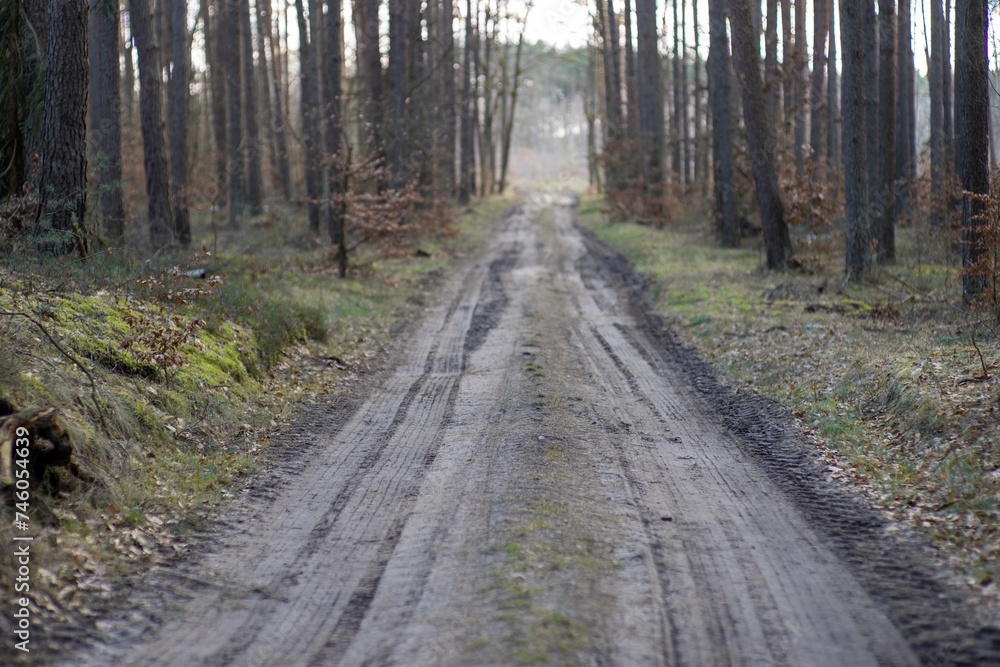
546,476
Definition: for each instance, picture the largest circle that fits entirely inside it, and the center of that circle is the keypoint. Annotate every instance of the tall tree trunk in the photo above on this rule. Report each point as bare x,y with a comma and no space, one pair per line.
467,163
280,111
397,73
263,78
853,15
885,234
787,61
332,106
255,184
801,81
151,118
746,58
973,106
904,105
946,90
871,108
614,110
772,76
634,162
229,17
685,100
650,110
936,82
107,104
832,101
817,136
63,186
309,102
216,50
179,93
508,130
698,133
676,124
448,119
128,79
722,149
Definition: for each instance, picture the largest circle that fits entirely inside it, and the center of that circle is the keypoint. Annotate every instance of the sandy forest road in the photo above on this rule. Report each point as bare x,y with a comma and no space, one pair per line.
539,480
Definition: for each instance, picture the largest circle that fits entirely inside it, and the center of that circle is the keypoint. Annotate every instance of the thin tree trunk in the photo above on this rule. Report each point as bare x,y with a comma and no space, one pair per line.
698,132
904,105
685,100
936,82
508,131
719,79
746,58
107,102
128,81
467,163
309,101
215,48
817,136
335,172
970,57
633,161
787,61
801,64
885,234
264,80
832,102
677,129
229,17
614,111
853,15
772,77
63,186
179,93
397,73
151,119
280,112
871,108
447,96
946,92
650,111
254,175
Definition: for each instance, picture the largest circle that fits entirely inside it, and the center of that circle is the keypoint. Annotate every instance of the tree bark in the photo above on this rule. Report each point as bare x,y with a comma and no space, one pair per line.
772,76
904,105
719,79
255,181
871,108
650,109
885,233
309,102
801,74
853,15
832,101
614,110
216,51
746,57
280,112
970,57
63,186
787,61
467,163
229,17
448,116
817,136
335,171
633,161
179,93
151,119
107,106
936,82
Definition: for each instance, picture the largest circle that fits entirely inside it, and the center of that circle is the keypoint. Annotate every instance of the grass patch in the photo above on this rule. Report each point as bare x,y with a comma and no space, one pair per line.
883,371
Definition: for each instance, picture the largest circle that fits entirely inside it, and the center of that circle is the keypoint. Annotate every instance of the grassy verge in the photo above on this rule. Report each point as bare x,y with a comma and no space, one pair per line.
885,374
190,378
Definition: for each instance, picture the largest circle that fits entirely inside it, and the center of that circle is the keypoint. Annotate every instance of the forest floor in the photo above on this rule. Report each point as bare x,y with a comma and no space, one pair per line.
545,473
